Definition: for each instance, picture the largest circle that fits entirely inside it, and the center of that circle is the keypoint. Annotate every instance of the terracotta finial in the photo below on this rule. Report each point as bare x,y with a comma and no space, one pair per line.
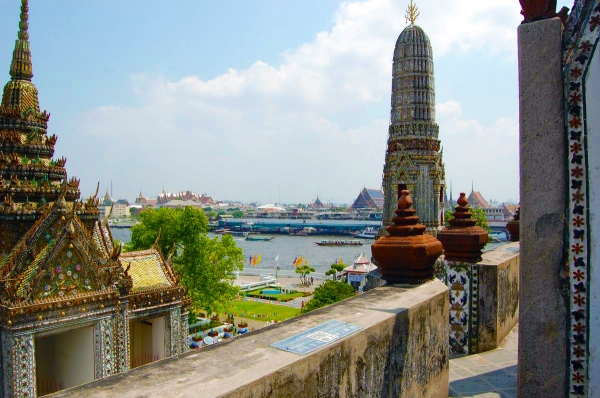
463,240
405,201
462,200
406,255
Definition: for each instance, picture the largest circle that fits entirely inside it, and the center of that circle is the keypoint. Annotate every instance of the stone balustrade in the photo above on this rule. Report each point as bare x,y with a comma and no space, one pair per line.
400,351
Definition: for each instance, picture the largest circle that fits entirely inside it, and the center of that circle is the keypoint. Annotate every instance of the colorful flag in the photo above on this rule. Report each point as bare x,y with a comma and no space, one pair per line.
250,260
259,259
305,260
294,262
340,262
298,261
277,258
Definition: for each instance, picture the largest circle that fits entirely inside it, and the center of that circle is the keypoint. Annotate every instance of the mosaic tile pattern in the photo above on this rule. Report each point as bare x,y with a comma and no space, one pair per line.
19,365
575,71
463,281
122,331
105,335
175,317
185,346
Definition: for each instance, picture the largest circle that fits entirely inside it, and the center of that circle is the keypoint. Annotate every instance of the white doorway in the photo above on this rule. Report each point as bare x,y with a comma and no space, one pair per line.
64,360
146,341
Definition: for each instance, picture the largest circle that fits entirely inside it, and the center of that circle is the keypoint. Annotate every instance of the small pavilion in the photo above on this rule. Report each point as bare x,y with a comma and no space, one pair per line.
356,274
73,309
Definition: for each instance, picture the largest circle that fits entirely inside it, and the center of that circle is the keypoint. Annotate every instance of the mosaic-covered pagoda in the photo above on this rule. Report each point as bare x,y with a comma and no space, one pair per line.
72,308
413,159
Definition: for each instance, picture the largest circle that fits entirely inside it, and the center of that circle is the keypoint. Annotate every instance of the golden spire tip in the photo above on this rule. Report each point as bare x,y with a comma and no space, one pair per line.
412,13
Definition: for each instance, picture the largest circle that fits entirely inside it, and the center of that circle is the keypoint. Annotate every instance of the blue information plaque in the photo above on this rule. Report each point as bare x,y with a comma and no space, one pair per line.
317,337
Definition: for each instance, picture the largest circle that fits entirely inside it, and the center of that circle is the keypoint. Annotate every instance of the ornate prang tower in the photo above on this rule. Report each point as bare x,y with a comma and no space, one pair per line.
413,159
29,178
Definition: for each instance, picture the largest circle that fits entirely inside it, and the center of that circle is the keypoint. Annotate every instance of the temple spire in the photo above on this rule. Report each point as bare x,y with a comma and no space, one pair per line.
412,13
21,67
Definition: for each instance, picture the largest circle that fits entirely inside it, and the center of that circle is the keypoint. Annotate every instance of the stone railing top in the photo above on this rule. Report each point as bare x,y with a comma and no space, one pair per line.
500,254
239,365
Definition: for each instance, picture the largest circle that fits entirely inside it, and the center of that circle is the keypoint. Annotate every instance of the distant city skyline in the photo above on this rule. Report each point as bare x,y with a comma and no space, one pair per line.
276,101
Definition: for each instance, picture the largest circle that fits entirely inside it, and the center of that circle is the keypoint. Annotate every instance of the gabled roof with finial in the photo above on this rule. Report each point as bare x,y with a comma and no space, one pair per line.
57,259
149,270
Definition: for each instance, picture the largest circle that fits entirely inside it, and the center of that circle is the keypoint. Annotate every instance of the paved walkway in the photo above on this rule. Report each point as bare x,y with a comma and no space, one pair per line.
489,374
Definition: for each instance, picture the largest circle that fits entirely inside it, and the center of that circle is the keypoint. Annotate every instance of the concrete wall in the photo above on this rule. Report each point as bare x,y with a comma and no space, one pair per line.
543,185
401,351
498,295
75,356
158,337
593,141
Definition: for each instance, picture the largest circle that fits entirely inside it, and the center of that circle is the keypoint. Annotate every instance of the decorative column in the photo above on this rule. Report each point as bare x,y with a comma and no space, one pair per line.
513,226
175,331
463,242
18,356
106,358
185,332
122,333
406,255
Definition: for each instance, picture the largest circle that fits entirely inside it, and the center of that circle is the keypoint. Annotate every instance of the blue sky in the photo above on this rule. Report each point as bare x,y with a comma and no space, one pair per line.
253,100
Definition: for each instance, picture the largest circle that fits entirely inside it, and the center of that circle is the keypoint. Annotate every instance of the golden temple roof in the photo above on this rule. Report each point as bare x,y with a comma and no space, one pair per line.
19,92
148,269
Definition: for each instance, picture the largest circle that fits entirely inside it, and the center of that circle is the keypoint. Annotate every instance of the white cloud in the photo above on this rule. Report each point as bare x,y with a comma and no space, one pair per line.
316,123
486,156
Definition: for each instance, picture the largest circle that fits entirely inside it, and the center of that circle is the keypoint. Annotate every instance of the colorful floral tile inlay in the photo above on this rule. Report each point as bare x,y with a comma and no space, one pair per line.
575,73
69,276
463,281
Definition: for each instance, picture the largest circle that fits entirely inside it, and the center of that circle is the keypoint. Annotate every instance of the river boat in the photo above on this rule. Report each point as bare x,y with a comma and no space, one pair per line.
222,231
368,233
259,238
340,242
236,233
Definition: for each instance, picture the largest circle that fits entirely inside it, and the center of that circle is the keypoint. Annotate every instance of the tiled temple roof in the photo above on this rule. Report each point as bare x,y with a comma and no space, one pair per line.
477,200
148,269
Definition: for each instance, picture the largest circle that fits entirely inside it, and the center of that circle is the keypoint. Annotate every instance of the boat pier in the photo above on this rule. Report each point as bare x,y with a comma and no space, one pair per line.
298,227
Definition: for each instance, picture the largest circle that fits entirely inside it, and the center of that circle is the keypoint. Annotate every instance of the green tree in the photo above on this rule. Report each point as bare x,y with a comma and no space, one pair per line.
335,268
478,215
238,214
328,293
304,271
206,265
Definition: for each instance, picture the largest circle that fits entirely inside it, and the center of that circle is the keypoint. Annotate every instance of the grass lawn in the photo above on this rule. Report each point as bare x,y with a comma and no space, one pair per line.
286,296
247,309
